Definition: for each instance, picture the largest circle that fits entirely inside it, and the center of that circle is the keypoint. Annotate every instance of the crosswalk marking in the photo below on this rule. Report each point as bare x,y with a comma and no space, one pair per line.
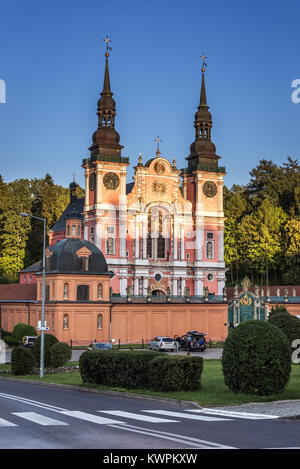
130,415
38,418
169,413
240,415
5,423
90,417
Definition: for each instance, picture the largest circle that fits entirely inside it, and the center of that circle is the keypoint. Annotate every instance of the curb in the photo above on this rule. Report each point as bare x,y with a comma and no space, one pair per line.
176,402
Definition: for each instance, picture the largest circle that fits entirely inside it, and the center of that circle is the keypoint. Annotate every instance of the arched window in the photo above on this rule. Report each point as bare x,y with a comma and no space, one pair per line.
66,321
83,293
100,291
47,292
209,250
99,321
66,291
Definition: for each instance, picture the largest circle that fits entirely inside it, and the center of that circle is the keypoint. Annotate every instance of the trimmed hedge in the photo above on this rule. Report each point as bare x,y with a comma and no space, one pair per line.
135,370
176,373
22,361
21,329
60,354
256,358
50,340
288,323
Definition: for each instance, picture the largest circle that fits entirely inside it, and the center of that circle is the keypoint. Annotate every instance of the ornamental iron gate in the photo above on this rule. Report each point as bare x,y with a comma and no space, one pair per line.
246,306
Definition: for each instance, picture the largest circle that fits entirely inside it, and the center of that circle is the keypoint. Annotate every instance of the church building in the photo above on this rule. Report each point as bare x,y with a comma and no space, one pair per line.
162,234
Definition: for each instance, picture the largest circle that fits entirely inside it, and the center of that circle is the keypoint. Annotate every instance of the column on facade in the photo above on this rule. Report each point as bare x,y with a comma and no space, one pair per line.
199,239
174,286
145,286
123,286
86,194
182,254
175,243
136,286
144,238
98,187
86,231
137,240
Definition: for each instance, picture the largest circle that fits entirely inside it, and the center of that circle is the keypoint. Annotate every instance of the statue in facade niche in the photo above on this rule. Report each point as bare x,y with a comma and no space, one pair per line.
129,291
187,291
236,290
206,292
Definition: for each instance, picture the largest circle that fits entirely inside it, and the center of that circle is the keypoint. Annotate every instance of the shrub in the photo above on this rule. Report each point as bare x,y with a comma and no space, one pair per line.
277,309
288,323
60,354
175,373
20,330
140,370
256,358
50,340
22,361
115,368
10,340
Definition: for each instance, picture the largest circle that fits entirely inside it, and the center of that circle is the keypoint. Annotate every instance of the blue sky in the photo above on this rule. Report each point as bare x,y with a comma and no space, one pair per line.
52,61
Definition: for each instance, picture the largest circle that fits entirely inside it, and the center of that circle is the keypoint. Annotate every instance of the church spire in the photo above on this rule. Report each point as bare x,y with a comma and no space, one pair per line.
203,150
106,139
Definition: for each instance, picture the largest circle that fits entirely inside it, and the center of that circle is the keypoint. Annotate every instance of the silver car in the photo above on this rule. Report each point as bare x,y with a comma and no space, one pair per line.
163,343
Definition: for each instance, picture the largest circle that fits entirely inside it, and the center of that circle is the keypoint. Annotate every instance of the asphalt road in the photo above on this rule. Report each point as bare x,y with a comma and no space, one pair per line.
35,416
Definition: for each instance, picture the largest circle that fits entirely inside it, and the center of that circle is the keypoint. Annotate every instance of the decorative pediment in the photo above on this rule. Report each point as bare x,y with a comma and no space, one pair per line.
83,252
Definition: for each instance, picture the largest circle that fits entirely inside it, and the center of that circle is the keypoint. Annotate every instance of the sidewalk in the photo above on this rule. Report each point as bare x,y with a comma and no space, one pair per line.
282,409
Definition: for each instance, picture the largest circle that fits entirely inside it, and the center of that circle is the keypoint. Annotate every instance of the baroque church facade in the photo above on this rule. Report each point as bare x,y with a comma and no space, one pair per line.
162,234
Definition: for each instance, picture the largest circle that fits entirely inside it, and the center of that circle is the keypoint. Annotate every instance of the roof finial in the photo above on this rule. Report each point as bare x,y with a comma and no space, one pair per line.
140,163
107,40
74,175
157,140
204,64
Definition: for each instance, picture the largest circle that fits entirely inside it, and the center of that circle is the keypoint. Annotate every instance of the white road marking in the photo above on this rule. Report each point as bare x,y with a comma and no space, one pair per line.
169,413
5,423
241,415
24,400
130,415
90,417
38,418
194,442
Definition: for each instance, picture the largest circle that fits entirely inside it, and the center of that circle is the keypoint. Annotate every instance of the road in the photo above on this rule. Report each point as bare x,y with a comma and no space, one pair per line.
34,416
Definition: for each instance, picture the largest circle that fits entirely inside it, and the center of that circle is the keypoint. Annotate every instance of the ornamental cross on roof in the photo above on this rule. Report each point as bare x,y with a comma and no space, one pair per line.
107,40
157,140
204,64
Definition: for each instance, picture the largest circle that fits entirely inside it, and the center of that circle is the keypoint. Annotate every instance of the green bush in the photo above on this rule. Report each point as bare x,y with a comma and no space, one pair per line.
22,361
50,340
140,370
256,358
115,368
20,330
60,354
277,309
10,340
176,373
288,323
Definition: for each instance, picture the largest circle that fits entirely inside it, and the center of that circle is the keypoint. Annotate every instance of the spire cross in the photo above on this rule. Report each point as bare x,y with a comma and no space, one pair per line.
157,140
204,64
107,40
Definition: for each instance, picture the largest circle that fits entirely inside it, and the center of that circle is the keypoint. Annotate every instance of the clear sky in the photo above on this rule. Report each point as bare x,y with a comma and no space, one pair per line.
52,61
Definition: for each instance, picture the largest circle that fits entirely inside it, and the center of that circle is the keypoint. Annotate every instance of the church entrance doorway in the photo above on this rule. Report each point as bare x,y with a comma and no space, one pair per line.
158,293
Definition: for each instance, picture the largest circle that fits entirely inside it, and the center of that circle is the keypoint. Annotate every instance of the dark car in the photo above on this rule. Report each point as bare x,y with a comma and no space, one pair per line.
192,341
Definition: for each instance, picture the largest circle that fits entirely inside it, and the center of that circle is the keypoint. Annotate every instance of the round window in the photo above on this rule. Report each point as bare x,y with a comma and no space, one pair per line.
157,277
210,277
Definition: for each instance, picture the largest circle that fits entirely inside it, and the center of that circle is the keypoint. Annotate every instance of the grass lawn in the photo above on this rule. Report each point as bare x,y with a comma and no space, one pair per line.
213,392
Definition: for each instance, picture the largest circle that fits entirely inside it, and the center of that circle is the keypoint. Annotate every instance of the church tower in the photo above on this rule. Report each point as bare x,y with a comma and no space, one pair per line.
203,186
105,179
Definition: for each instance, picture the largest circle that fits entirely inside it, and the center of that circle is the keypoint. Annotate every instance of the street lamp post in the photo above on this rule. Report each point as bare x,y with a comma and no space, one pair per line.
43,293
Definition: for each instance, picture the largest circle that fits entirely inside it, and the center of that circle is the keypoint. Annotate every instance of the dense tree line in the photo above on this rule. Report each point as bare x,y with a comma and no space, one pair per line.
21,238
262,229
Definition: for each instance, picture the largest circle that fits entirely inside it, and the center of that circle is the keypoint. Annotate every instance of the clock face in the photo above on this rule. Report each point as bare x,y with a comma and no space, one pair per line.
111,181
210,189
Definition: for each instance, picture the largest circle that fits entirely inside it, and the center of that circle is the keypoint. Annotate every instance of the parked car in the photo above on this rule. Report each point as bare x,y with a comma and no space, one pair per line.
192,341
100,346
28,341
160,343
